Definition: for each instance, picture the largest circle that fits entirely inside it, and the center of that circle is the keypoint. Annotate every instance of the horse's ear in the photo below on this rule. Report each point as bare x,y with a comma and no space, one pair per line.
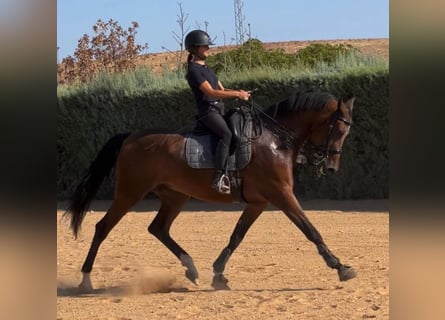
350,103
339,103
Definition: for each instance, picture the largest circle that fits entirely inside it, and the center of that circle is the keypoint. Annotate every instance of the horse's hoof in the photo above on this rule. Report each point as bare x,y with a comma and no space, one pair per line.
220,282
346,273
192,276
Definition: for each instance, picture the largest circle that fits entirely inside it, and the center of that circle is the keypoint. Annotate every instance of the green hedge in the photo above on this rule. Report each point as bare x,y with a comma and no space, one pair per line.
87,119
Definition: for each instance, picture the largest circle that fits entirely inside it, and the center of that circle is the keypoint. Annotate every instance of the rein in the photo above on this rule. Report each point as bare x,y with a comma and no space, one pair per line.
257,109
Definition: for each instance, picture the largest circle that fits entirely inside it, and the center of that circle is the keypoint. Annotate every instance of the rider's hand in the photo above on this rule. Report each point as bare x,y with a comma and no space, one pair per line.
243,95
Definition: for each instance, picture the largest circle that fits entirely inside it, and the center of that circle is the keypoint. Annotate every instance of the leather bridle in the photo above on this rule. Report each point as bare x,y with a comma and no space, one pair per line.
320,153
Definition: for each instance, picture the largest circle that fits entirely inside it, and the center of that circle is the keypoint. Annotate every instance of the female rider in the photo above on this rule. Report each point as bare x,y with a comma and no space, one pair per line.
208,92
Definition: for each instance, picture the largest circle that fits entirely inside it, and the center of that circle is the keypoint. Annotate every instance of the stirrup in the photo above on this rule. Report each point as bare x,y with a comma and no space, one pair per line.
301,159
222,185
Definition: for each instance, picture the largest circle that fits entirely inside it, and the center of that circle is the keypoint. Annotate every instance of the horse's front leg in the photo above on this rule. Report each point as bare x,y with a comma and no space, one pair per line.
287,202
247,218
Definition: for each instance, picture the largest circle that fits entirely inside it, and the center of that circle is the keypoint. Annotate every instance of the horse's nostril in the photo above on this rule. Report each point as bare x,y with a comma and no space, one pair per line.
331,170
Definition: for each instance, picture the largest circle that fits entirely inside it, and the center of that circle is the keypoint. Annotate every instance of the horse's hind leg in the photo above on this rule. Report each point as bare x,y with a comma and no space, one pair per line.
287,202
171,205
118,209
247,218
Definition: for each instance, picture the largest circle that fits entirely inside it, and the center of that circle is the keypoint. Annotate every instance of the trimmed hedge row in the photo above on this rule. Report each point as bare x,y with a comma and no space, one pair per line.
87,120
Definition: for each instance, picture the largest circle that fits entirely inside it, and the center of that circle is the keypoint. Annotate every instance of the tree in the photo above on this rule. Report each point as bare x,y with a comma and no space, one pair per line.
179,38
112,49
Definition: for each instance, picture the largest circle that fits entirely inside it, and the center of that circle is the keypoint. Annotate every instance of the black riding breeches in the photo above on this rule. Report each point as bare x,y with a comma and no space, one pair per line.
215,123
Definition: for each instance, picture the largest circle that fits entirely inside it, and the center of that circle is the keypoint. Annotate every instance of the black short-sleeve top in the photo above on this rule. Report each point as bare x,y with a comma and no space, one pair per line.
196,75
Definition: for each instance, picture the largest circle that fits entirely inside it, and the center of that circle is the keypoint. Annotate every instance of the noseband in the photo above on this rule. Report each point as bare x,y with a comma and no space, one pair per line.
320,153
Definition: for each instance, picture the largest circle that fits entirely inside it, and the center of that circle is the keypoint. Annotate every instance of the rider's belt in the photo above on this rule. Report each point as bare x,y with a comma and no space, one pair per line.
218,104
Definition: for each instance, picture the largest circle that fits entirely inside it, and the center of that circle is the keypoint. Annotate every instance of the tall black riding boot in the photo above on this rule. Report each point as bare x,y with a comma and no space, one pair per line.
221,182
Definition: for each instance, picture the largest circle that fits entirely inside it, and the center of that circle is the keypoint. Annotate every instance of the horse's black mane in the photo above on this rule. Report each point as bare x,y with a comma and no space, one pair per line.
300,100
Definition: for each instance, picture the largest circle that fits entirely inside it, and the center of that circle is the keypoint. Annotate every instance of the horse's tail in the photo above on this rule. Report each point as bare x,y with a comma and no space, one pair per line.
87,188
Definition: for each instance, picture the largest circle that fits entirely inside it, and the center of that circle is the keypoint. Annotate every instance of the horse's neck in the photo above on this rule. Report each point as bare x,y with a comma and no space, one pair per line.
282,138
299,125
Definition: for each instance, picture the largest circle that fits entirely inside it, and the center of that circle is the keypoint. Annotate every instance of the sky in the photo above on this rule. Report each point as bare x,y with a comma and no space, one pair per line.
270,21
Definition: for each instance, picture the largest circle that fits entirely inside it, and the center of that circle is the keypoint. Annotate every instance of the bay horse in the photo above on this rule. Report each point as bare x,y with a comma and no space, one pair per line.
154,162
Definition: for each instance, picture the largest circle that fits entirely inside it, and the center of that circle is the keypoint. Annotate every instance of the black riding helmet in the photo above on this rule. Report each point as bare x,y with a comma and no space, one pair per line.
197,38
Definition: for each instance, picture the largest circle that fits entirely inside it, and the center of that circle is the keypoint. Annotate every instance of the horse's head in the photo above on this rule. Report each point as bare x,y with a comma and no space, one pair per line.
324,145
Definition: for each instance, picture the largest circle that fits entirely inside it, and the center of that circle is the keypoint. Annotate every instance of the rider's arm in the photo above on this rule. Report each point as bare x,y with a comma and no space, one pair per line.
222,93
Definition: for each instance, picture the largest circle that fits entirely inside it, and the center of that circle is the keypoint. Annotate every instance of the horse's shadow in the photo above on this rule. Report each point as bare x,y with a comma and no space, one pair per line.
260,290
126,290
77,292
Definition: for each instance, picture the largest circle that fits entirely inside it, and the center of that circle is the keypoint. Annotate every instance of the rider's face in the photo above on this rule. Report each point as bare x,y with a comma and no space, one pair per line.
203,51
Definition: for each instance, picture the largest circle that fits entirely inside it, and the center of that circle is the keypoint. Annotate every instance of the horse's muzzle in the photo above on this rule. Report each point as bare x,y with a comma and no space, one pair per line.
331,170
331,166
